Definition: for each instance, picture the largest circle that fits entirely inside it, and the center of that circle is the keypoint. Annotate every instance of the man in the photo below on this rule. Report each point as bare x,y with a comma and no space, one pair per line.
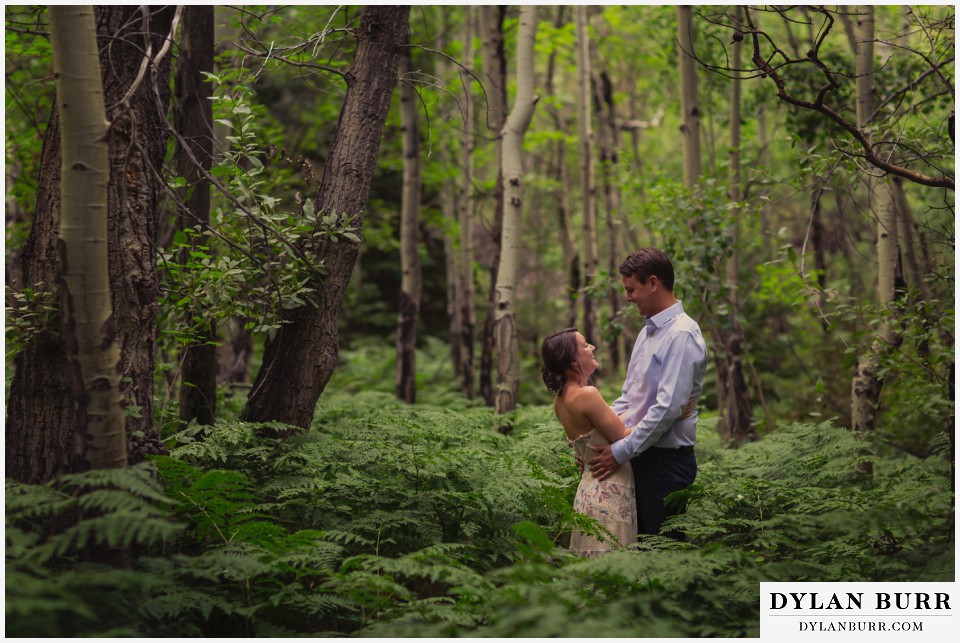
664,380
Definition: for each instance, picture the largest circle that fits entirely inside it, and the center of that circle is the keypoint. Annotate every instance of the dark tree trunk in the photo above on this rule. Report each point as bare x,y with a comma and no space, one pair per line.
410,285
609,158
495,77
298,362
138,144
819,252
739,413
42,438
571,252
193,119
233,354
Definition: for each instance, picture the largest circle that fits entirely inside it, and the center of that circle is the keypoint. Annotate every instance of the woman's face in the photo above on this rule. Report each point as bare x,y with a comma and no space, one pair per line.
585,359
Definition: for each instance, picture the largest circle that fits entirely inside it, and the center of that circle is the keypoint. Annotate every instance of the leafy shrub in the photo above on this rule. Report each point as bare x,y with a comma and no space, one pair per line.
393,520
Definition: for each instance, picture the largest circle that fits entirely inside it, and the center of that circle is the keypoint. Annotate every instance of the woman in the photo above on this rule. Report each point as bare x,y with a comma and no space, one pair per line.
568,364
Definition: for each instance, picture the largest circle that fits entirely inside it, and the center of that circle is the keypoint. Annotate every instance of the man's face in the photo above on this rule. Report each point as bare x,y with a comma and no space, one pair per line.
639,293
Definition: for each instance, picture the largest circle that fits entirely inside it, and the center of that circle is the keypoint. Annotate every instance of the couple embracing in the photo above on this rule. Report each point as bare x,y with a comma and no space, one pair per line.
652,425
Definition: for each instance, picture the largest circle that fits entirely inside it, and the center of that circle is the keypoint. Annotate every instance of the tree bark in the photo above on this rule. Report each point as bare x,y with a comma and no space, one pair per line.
736,422
138,146
867,381
42,438
915,275
449,204
299,360
468,317
689,103
591,260
508,358
495,81
571,254
410,280
193,118
609,159
86,318
42,432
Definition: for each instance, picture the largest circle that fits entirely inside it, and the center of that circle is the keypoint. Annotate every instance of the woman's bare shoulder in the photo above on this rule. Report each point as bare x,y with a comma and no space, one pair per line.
585,397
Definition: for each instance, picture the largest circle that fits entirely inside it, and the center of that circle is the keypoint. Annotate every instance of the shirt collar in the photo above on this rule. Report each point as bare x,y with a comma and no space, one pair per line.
664,316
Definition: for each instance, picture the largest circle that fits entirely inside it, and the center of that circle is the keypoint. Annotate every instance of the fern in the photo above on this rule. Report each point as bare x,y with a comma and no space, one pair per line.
390,520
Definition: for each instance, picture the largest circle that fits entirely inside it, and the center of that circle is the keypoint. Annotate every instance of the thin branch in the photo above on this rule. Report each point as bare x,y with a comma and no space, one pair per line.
272,54
148,56
870,153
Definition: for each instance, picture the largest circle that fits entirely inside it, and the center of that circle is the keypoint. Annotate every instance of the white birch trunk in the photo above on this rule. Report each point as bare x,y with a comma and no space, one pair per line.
508,359
86,317
865,395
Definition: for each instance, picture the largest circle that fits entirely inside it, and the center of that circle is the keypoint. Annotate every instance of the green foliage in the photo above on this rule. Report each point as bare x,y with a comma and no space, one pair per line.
29,313
393,520
261,261
28,100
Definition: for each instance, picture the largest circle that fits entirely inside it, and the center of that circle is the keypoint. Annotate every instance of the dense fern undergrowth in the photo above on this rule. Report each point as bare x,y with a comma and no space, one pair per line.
390,520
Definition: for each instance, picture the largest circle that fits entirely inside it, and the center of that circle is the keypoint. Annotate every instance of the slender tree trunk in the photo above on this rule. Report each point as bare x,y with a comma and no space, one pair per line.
571,254
410,281
689,103
449,205
508,358
233,355
42,433
193,118
867,381
86,318
298,362
591,260
817,238
468,317
609,158
915,275
736,424
495,81
766,228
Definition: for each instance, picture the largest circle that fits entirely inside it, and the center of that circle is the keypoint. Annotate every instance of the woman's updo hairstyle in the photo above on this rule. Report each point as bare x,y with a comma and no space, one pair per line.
558,351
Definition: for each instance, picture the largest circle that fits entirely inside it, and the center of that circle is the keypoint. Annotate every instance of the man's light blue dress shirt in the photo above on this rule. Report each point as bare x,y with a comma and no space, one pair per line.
666,370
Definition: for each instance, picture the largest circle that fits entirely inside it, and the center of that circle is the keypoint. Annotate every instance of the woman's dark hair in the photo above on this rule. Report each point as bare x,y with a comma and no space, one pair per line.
557,352
647,262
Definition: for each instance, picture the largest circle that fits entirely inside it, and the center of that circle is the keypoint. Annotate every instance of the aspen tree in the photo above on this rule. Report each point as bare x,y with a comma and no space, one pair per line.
495,82
86,317
867,382
508,358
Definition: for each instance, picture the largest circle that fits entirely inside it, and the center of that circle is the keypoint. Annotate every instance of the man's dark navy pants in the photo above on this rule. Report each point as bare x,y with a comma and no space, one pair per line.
658,473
